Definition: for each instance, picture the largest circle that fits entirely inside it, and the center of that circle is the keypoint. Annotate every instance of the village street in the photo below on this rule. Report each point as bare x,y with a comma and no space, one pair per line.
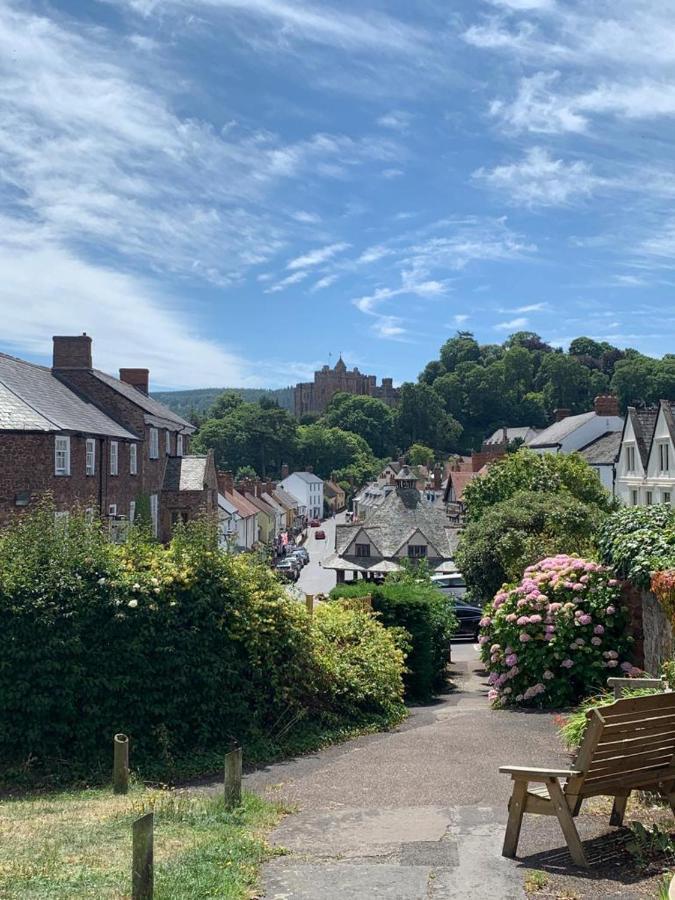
419,813
313,578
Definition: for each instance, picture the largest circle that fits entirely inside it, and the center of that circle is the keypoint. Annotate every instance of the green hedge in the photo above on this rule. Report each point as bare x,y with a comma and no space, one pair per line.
639,540
183,648
427,617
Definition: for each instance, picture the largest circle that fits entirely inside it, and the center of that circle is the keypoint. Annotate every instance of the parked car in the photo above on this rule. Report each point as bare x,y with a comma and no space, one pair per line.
300,554
314,523
320,535
452,584
469,619
285,569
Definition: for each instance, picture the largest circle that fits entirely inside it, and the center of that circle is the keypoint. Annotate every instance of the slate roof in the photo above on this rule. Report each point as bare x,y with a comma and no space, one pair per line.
286,499
260,506
644,425
556,433
512,434
274,504
396,519
185,473
156,413
32,399
229,507
245,509
604,450
308,477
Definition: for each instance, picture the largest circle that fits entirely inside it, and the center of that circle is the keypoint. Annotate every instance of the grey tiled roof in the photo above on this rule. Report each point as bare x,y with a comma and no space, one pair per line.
32,399
154,409
185,473
604,450
309,477
644,424
396,519
285,498
512,434
557,432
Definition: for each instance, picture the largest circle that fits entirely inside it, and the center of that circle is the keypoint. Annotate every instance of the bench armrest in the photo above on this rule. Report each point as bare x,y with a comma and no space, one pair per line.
525,773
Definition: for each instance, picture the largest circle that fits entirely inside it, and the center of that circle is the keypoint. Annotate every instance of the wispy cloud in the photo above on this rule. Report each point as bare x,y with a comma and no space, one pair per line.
541,180
520,322
287,282
460,318
318,256
399,120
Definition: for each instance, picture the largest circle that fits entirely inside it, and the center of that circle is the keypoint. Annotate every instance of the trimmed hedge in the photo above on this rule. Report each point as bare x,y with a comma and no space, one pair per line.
426,615
182,648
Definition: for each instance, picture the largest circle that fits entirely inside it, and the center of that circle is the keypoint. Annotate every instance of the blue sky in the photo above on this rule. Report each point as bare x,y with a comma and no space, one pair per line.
229,190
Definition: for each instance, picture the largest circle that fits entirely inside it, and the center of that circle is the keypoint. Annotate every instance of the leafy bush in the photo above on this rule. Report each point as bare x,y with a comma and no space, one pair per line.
182,648
517,532
556,635
550,473
426,615
573,727
639,540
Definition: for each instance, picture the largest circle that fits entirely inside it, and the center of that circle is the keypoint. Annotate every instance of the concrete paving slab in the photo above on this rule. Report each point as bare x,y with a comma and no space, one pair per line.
285,880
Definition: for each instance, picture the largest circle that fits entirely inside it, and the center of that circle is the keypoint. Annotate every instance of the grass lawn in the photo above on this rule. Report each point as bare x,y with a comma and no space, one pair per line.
78,844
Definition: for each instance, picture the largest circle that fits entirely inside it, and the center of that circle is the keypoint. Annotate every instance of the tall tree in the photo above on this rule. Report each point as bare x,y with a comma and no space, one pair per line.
368,417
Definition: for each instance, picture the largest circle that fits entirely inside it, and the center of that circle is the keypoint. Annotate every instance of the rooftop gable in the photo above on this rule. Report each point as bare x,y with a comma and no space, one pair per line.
158,412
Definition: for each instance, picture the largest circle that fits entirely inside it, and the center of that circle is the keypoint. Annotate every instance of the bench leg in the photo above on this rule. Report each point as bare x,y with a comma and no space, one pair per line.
618,810
569,829
516,810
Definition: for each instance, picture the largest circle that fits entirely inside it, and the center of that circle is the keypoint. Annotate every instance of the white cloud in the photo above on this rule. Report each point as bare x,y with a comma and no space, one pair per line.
290,280
533,307
538,108
460,318
306,218
324,282
520,322
399,120
318,256
520,5
540,180
389,328
392,173
46,290
373,254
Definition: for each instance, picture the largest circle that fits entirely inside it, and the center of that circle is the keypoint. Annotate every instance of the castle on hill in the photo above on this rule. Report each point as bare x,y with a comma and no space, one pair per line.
314,396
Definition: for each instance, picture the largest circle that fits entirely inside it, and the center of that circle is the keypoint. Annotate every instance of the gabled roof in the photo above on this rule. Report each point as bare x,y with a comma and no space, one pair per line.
604,450
227,506
668,407
285,499
512,433
156,413
32,399
274,504
185,473
644,425
357,532
332,489
308,477
261,506
556,433
245,509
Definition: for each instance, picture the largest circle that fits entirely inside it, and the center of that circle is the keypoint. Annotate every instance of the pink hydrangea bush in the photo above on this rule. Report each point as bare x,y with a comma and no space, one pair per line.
556,636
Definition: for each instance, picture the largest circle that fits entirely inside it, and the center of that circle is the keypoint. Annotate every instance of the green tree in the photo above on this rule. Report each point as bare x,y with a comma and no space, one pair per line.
519,531
419,455
224,404
331,449
461,348
525,470
246,472
368,417
634,380
423,419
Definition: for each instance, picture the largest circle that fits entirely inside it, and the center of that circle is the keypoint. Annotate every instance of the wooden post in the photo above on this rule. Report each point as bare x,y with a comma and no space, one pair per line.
142,872
233,777
309,602
121,764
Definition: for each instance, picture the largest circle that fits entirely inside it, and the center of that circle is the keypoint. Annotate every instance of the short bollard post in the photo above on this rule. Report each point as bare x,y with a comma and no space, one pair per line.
121,764
309,600
233,777
142,872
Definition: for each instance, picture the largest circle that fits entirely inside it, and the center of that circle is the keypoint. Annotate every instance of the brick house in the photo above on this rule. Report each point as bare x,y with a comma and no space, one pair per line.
94,440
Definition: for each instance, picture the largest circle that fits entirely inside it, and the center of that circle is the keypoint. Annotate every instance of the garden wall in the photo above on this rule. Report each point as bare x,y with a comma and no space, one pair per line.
650,627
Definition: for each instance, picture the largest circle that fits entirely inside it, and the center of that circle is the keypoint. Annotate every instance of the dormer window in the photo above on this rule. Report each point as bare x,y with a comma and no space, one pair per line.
363,549
664,460
630,458
417,551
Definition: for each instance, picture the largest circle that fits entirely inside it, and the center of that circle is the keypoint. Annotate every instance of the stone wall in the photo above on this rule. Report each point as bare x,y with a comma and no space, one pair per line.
650,627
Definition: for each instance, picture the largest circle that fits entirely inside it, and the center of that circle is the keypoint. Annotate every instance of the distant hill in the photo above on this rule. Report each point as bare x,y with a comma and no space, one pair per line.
200,400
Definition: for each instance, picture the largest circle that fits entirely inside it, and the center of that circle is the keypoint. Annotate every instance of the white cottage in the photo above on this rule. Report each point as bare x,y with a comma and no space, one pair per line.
646,467
307,488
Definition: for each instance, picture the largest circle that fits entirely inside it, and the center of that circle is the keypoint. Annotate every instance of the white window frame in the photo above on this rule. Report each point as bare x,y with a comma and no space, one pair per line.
112,509
167,442
634,497
666,497
179,445
153,445
154,514
133,459
664,456
132,511
630,458
61,455
90,456
114,458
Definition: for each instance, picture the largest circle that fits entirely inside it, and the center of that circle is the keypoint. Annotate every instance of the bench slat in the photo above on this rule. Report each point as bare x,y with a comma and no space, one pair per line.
639,715
631,747
641,779
624,765
638,704
636,729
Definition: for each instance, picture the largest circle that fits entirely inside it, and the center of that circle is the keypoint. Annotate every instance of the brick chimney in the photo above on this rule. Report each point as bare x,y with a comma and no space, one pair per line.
72,352
225,482
606,405
560,414
285,471
138,378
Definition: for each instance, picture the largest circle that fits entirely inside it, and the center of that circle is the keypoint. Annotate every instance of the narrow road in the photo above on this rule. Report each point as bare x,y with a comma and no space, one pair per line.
413,814
314,579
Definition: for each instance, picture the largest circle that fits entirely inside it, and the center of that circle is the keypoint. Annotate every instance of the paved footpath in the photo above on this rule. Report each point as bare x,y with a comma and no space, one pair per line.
413,814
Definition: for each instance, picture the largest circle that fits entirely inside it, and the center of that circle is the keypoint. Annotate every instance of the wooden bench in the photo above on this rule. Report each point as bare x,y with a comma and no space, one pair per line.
628,745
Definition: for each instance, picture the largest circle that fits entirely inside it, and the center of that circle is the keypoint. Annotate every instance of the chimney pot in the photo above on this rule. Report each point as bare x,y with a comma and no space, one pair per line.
562,413
606,405
138,378
72,352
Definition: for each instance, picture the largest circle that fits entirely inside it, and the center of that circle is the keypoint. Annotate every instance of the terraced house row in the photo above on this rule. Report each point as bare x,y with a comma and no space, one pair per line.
93,440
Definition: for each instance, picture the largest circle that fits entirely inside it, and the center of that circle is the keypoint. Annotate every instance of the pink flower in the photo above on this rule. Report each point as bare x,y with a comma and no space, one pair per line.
493,695
548,674
596,641
483,639
585,619
523,620
495,648
567,663
613,654
535,619
612,663
524,637
511,617
485,621
626,666
610,610
511,660
598,629
612,582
